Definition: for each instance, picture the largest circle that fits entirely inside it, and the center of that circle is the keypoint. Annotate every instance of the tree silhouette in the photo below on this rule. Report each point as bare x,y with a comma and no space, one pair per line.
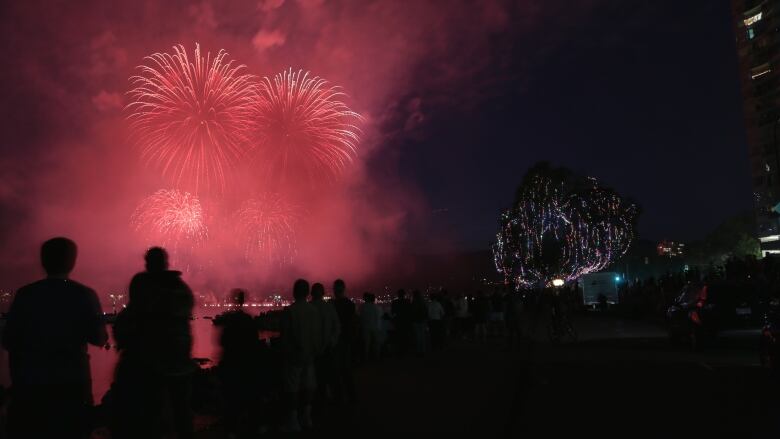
561,226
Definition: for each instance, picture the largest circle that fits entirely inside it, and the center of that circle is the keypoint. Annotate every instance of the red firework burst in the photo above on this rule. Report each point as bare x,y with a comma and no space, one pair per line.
192,118
266,227
171,216
304,125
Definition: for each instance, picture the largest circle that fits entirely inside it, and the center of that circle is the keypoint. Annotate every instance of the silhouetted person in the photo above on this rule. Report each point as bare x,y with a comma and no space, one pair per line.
49,325
448,304
371,325
419,322
436,316
496,314
239,367
513,317
479,313
329,338
602,303
461,315
301,341
344,387
153,379
401,312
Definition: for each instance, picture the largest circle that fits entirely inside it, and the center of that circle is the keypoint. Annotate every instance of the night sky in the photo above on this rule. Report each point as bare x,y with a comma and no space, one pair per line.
643,95
459,99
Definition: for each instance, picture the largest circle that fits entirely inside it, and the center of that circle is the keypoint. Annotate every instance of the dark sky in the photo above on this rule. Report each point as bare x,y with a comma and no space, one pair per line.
643,95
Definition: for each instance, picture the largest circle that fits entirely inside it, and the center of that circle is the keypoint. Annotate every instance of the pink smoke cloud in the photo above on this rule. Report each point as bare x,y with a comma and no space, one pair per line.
396,61
105,101
264,40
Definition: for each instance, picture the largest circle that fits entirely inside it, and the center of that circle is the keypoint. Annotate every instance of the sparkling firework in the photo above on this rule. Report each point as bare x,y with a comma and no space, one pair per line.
192,118
554,231
266,227
171,216
304,125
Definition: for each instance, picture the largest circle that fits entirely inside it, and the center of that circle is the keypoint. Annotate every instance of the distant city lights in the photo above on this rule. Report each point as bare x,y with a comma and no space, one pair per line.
753,19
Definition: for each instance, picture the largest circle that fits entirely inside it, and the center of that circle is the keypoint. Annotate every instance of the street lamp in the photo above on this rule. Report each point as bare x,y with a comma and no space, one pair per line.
557,283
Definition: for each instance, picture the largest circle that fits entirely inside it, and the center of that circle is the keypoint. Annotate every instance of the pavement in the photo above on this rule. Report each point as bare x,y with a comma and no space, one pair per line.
621,379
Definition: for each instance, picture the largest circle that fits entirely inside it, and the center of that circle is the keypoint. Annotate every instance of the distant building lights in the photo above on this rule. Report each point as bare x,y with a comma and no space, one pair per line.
754,19
761,73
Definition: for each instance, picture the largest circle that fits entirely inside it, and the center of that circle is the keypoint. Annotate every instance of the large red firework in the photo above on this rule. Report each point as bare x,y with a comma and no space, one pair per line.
172,217
303,125
266,228
192,118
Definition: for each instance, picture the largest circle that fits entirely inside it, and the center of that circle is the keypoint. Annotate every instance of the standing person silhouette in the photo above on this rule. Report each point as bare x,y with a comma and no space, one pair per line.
239,368
153,378
371,325
344,381
49,326
301,340
419,322
329,338
401,312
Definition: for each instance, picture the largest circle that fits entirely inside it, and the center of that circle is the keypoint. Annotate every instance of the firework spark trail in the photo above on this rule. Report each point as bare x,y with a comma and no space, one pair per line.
172,216
303,124
266,226
192,118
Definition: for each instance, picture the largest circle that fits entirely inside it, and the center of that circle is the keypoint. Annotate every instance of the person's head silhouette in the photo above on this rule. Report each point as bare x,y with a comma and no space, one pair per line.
156,259
237,297
58,256
300,290
338,288
401,294
317,291
369,298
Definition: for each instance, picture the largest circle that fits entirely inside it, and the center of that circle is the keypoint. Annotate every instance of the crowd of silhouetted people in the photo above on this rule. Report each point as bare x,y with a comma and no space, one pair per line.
753,280
257,386
285,384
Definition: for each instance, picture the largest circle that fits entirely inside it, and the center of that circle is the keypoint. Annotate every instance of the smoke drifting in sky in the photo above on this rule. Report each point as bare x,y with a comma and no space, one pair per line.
68,167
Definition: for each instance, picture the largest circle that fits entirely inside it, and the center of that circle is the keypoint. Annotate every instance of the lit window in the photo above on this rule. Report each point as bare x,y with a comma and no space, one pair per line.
754,19
751,33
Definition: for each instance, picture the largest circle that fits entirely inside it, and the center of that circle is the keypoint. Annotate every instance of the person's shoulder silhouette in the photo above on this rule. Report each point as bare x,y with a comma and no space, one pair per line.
47,330
158,289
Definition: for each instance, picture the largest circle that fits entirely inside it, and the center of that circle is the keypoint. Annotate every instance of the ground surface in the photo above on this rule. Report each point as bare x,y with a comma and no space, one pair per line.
622,379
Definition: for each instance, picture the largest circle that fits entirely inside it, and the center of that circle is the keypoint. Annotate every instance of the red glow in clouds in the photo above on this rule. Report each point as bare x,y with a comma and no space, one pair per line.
266,227
74,165
196,119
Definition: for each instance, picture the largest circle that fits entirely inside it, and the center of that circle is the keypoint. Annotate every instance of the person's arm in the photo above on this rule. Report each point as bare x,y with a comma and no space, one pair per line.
11,330
96,333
